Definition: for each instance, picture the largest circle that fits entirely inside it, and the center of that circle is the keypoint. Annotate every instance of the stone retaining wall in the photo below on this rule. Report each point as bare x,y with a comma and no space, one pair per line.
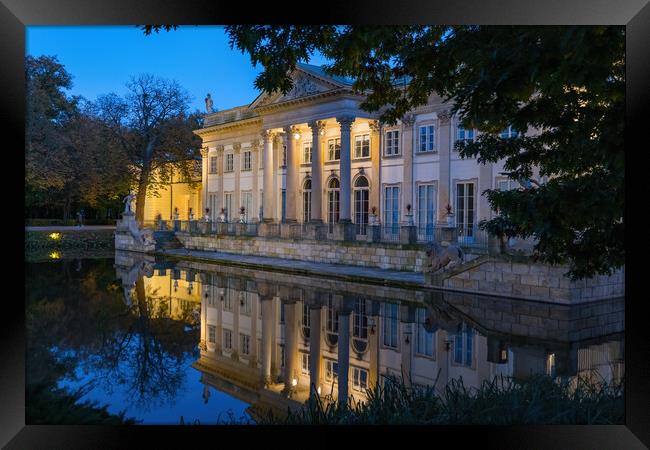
529,280
386,256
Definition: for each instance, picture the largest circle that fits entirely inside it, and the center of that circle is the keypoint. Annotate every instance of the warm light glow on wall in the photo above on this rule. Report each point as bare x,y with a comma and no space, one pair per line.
55,236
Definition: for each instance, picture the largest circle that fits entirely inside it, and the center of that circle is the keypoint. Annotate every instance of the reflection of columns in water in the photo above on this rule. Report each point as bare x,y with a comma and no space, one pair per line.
344,354
233,284
315,340
373,343
254,319
407,314
268,321
291,341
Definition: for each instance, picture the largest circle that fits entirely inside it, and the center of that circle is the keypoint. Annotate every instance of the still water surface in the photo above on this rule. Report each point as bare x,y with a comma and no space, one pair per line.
167,341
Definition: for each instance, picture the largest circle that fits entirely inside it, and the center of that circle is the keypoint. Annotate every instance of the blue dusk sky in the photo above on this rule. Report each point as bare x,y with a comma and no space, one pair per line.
101,59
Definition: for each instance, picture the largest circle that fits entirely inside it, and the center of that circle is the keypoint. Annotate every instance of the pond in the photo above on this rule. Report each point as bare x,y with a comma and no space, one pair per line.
169,342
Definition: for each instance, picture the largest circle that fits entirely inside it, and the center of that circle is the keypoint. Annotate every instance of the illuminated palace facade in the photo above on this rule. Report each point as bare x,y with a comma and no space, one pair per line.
313,155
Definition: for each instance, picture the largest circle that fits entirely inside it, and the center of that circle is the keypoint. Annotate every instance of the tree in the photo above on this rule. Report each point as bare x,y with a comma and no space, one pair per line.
153,127
565,83
70,156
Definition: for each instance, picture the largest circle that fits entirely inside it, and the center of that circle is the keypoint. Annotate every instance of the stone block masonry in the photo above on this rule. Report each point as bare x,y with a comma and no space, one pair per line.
528,280
385,256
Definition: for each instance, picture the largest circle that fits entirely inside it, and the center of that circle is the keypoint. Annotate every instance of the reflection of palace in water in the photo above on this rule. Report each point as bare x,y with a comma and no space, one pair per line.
271,339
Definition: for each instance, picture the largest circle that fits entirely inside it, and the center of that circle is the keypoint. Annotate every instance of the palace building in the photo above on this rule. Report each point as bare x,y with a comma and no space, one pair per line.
314,156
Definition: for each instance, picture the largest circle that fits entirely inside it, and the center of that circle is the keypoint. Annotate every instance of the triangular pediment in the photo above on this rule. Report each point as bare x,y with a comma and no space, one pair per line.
305,84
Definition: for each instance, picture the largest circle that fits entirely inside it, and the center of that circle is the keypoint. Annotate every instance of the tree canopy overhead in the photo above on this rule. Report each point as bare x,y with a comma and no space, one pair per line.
565,84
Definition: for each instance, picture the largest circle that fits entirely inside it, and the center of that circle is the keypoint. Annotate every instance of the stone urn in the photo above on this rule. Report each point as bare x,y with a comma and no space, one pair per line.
242,215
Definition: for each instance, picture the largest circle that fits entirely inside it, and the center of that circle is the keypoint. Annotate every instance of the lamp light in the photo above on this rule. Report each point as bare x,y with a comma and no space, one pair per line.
296,136
318,390
294,382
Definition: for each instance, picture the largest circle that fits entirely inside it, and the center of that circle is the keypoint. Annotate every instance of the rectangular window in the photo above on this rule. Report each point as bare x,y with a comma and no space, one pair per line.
306,319
306,152
359,378
426,211
247,160
390,324
284,204
212,334
305,363
508,133
465,220
331,370
227,300
213,164
392,143
465,135
424,344
247,203
362,146
391,210
334,149
507,184
245,342
282,357
332,316
229,162
284,156
227,339
464,345
245,303
227,205
281,313
426,138
360,320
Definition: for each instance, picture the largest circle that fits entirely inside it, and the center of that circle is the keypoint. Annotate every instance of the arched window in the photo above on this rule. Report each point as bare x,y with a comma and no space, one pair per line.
306,201
361,197
333,198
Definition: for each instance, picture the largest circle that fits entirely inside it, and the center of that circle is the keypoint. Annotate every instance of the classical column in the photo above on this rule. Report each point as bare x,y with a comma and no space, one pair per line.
232,284
345,168
268,321
344,355
373,344
268,204
220,198
407,315
375,149
290,215
315,340
255,163
407,152
233,215
205,161
444,154
484,182
216,287
317,127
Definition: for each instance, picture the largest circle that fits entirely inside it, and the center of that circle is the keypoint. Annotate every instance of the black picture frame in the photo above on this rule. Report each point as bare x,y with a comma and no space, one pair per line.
16,14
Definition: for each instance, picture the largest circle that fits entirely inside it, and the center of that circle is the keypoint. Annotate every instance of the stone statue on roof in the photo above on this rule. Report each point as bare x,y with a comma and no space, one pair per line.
208,104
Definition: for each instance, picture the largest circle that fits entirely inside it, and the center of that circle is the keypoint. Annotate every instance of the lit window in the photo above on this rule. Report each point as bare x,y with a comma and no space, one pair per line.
509,133
245,341
334,149
305,363
359,378
392,143
390,324
212,333
227,339
306,152
362,146
247,160
465,135
331,370
426,138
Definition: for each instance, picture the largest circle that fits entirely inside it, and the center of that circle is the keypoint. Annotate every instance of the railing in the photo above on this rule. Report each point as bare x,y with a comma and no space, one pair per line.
390,232
472,237
361,229
249,229
427,233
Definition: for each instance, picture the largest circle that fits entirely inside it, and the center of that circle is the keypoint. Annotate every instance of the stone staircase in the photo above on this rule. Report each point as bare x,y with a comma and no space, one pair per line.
166,240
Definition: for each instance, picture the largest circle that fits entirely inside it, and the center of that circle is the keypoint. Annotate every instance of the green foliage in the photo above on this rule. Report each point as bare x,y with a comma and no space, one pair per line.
537,400
566,84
